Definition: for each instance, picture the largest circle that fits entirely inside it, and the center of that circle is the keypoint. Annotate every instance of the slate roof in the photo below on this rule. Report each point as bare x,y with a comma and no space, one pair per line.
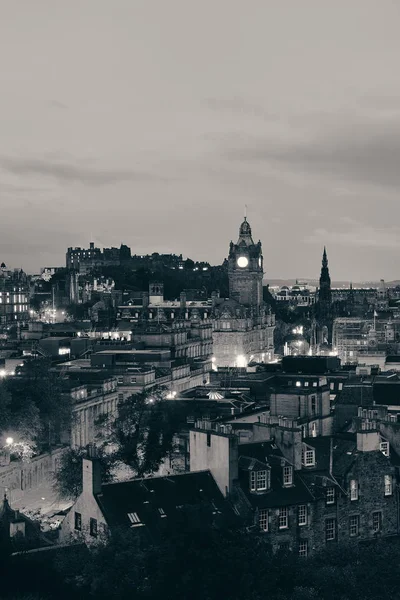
158,502
387,392
268,453
360,394
33,535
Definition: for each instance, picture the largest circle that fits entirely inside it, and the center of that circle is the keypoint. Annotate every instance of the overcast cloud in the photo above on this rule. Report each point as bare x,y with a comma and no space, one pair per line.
154,123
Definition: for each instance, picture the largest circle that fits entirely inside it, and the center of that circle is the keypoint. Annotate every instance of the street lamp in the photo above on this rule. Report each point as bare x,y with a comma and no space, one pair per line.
9,441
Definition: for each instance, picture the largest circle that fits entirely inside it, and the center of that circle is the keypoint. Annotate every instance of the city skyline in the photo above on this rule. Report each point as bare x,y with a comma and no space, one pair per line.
134,123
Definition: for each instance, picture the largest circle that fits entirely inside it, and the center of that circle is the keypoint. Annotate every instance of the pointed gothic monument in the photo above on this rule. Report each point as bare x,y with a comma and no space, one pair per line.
322,326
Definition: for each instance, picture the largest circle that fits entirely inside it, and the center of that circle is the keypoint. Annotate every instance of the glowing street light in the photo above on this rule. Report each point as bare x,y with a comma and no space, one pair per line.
9,441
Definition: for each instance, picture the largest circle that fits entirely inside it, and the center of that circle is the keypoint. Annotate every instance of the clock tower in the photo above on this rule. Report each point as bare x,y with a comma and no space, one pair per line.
245,268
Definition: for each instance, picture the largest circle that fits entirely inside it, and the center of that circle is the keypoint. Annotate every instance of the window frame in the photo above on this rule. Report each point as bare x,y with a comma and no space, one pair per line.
309,458
263,519
354,525
384,447
261,480
353,490
283,517
330,532
303,548
78,521
377,514
302,515
388,483
313,405
333,495
93,527
287,475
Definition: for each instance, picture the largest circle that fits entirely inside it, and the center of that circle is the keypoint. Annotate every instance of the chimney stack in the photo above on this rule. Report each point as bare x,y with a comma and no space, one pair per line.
91,472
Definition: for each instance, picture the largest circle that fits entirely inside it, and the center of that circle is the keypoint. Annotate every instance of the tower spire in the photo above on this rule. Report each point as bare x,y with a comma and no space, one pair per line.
324,258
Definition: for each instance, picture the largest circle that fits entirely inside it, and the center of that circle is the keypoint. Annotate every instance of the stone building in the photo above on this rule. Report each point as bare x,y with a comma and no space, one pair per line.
297,478
243,327
14,297
303,493
151,507
240,328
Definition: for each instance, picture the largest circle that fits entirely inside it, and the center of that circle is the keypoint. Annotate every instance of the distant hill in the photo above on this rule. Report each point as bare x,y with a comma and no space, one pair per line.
335,284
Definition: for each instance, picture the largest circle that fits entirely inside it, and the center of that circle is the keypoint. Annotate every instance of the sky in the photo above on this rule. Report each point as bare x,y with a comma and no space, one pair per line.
153,122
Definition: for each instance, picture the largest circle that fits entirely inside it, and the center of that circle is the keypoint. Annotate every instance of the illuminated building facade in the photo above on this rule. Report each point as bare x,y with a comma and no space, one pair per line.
14,297
243,325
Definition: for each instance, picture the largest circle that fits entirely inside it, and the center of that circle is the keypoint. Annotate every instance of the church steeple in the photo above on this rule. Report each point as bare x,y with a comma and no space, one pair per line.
324,306
325,280
324,259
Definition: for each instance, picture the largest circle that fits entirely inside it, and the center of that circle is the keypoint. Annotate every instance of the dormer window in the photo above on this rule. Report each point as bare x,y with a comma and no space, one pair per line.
308,456
134,519
287,475
384,447
259,480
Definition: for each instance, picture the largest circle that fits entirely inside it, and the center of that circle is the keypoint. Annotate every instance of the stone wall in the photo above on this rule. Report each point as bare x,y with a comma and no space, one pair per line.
20,477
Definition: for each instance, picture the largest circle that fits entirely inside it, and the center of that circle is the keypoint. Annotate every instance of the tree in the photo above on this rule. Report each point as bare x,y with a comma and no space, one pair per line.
68,477
40,410
143,431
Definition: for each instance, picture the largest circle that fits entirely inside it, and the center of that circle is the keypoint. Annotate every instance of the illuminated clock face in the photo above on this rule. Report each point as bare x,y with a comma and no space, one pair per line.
242,262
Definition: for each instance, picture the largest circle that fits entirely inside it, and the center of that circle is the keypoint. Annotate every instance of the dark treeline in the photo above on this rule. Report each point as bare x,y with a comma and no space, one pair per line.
202,563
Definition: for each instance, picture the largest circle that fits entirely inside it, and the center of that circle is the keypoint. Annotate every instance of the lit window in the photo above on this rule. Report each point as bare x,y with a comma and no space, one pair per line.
341,384
353,489
354,525
306,384
376,522
263,519
283,518
78,521
388,485
332,386
287,475
303,549
384,447
93,527
133,379
302,514
330,530
330,495
298,383
162,513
